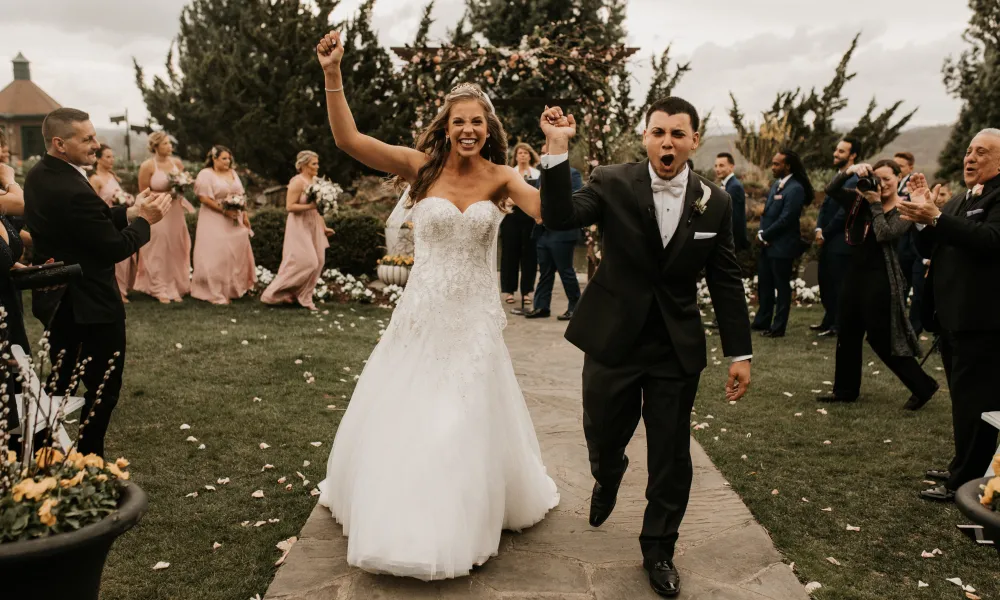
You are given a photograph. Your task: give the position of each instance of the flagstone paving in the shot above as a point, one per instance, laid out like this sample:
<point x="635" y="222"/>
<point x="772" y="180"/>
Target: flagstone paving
<point x="723" y="553"/>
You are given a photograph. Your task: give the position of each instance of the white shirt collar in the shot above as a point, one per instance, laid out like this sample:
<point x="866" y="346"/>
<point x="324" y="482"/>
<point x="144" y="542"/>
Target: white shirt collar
<point x="681" y="177"/>
<point x="784" y="180"/>
<point x="726" y="180"/>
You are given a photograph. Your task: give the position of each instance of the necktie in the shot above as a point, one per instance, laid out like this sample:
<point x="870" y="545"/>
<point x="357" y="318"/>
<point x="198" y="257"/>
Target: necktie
<point x="673" y="187"/>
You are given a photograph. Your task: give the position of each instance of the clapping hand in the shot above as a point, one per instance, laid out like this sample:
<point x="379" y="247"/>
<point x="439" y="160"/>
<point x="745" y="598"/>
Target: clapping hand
<point x="921" y="207"/>
<point x="330" y="51"/>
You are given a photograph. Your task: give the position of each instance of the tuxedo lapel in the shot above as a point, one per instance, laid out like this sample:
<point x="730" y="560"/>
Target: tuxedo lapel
<point x="679" y="239"/>
<point x="642" y="186"/>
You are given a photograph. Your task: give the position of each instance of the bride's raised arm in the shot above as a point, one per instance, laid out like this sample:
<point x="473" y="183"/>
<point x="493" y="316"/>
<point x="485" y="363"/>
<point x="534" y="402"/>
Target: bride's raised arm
<point x="522" y="194"/>
<point x="398" y="160"/>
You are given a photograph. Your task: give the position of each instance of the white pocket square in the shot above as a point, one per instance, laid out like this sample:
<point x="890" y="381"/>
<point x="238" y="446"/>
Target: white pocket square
<point x="973" y="212"/>
<point x="704" y="235"/>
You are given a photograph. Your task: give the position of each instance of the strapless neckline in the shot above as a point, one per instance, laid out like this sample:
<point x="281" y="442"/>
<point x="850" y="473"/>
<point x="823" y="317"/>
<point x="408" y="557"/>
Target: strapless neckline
<point x="460" y="211"/>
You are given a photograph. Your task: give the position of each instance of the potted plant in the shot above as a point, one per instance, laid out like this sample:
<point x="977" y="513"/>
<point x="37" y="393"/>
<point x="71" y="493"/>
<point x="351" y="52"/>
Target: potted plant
<point x="979" y="501"/>
<point x="60" y="511"/>
<point x="394" y="269"/>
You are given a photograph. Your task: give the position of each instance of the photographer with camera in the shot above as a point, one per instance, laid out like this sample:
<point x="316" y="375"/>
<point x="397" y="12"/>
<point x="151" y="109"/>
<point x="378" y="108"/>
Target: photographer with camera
<point x="871" y="298"/>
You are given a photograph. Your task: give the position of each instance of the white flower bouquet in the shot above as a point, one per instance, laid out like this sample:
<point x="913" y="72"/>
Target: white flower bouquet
<point x="234" y="202"/>
<point x="123" y="198"/>
<point x="180" y="180"/>
<point x="324" y="194"/>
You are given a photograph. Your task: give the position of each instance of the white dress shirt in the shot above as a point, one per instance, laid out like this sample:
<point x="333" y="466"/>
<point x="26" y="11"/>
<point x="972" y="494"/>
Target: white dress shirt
<point x="726" y="180"/>
<point x="669" y="203"/>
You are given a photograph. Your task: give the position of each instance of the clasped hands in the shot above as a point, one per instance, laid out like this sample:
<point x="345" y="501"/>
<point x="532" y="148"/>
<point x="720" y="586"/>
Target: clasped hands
<point x="559" y="128"/>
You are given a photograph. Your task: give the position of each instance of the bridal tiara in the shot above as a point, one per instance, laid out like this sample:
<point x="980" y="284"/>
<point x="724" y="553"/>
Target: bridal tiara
<point x="475" y="90"/>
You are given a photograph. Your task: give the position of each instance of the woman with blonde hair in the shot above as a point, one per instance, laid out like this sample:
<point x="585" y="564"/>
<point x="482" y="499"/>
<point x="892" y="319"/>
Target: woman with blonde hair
<point x="518" y="253"/>
<point x="223" y="259"/>
<point x="108" y="186"/>
<point x="436" y="453"/>
<point x="304" y="250"/>
<point x="164" y="266"/>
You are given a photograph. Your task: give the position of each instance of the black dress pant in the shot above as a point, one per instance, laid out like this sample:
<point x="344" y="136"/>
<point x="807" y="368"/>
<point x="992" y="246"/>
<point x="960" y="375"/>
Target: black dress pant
<point x="832" y="269"/>
<point x="104" y="345"/>
<point x="650" y="385"/>
<point x="517" y="253"/>
<point x="865" y="308"/>
<point x="918" y="278"/>
<point x="970" y="361"/>
<point x="774" y="276"/>
<point x="556" y="257"/>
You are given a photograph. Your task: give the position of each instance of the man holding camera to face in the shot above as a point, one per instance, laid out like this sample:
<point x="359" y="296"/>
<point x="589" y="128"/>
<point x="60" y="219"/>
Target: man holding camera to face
<point x="871" y="298"/>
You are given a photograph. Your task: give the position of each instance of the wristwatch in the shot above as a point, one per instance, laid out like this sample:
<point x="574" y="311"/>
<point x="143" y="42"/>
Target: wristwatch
<point x="934" y="221"/>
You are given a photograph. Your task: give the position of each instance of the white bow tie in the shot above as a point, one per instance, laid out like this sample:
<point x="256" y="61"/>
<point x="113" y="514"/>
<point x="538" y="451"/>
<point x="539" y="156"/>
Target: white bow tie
<point x="674" y="186"/>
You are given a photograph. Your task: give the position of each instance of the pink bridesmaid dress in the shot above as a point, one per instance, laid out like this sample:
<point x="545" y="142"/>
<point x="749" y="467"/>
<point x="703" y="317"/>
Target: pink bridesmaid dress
<point x="125" y="270"/>
<point x="302" y="258"/>
<point x="223" y="259"/>
<point x="164" y="269"/>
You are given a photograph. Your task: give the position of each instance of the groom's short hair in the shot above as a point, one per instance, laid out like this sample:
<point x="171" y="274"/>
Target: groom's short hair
<point x="673" y="105"/>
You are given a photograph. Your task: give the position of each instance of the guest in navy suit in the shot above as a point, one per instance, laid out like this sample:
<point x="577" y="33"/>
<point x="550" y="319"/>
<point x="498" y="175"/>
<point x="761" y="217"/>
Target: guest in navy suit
<point x="555" y="255"/>
<point x="779" y="233"/>
<point x="834" y="252"/>
<point x="724" y="166"/>
<point x="910" y="259"/>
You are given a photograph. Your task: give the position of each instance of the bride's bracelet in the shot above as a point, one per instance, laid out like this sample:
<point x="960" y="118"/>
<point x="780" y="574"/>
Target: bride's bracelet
<point x="340" y="89"/>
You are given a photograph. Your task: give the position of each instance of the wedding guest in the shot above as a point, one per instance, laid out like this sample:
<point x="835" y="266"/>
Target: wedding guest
<point x="725" y="165"/>
<point x="223" y="259"/>
<point x="872" y="301"/>
<point x="779" y="234"/>
<point x="108" y="187"/>
<point x="11" y="194"/>
<point x="963" y="242"/>
<point x="910" y="260"/>
<point x="518" y="255"/>
<point x="164" y="265"/>
<point x="834" y="253"/>
<point x="304" y="250"/>
<point x="555" y="255"/>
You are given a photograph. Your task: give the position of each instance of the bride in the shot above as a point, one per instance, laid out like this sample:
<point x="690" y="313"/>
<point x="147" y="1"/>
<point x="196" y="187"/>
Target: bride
<point x="436" y="453"/>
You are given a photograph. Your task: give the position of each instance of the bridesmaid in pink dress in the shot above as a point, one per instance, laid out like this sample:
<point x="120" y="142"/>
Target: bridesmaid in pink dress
<point x="164" y="268"/>
<point x="106" y="184"/>
<point x="223" y="259"/>
<point x="304" y="251"/>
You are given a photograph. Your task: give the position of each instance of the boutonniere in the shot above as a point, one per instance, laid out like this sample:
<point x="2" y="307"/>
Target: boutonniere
<point x="701" y="204"/>
<point x="977" y="190"/>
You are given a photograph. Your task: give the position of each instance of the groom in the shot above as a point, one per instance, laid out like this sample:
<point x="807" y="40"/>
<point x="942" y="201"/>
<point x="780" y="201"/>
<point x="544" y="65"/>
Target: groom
<point x="638" y="320"/>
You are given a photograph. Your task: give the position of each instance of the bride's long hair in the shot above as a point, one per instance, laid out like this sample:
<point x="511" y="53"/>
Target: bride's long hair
<point x="433" y="140"/>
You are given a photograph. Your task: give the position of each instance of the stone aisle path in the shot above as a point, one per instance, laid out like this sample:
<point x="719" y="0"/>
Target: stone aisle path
<point x="722" y="553"/>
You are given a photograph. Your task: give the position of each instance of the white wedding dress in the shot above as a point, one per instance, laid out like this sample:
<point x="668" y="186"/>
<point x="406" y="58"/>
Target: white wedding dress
<point x="436" y="453"/>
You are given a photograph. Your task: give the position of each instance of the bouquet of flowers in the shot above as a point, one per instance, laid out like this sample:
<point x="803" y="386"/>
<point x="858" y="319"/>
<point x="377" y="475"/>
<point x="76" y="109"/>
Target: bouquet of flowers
<point x="324" y="194"/>
<point x="180" y="181"/>
<point x="234" y="202"/>
<point x="123" y="198"/>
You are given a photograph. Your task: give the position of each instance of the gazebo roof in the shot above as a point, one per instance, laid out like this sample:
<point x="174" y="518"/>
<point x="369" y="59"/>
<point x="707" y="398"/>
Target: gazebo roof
<point x="22" y="98"/>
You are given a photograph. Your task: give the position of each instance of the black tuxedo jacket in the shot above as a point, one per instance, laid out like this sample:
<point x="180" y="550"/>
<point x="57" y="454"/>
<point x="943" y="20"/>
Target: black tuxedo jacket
<point x="964" y="279"/>
<point x="636" y="270"/>
<point x="69" y="222"/>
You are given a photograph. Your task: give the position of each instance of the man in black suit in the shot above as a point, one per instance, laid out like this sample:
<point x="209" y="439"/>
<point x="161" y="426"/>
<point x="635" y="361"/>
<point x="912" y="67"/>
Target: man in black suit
<point x="963" y="241"/>
<point x="638" y="321"/>
<point x="910" y="261"/>
<point x="70" y="223"/>
<point x="725" y="165"/>
<point x="555" y="255"/>
<point x="834" y="252"/>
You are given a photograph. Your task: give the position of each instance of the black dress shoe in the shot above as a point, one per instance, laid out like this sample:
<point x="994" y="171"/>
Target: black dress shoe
<point x="827" y="333"/>
<point x="943" y="475"/>
<point x="819" y="327"/>
<point x="940" y="493"/>
<point x="538" y="313"/>
<point x="773" y="334"/>
<point x="664" y="579"/>
<point x="916" y="403"/>
<point x="603" y="499"/>
<point x="759" y="328"/>
<point x="566" y="316"/>
<point x="835" y="398"/>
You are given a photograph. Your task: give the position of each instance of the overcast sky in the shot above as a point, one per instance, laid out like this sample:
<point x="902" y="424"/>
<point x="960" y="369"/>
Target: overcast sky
<point x="81" y="52"/>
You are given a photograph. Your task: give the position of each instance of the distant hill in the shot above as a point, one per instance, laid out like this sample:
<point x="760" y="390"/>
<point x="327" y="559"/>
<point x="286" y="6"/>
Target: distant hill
<point x="116" y="139"/>
<point x="925" y="143"/>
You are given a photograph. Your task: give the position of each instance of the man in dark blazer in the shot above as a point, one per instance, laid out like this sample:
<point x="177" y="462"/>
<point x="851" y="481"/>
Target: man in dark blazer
<point x="834" y="252"/>
<point x="963" y="241"/>
<point x="70" y="223"/>
<point x="725" y="166"/>
<point x="638" y="321"/>
<point x="910" y="261"/>
<point x="555" y="255"/>
<point x="779" y="234"/>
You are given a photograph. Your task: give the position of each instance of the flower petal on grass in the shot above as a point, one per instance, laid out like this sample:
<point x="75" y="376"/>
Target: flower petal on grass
<point x="266" y="467"/>
<point x="185" y="426"/>
<point x="833" y="561"/>
<point x="812" y="586"/>
<point x="305" y="463"/>
<point x="222" y="481"/>
<point x="853" y="528"/>
<point x="161" y="565"/>
<point x="191" y="438"/>
<point x="827" y="509"/>
<point x="264" y="446"/>
<point x="285" y="546"/>
<point x="257" y="494"/>
<point x="210" y="488"/>
<point x="216" y="546"/>
<point x="316" y="444"/>
<point x="789" y="394"/>
<point x="921" y="584"/>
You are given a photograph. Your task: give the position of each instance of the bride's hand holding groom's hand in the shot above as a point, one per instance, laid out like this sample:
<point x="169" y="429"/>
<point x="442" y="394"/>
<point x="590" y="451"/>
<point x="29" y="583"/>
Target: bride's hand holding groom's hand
<point x="559" y="129"/>
<point x="739" y="380"/>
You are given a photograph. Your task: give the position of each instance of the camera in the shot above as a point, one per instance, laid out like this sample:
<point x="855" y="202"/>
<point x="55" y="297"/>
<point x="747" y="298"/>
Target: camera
<point x="868" y="184"/>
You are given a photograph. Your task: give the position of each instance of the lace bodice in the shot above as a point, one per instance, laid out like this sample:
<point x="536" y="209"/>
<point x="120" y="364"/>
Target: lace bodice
<point x="454" y="270"/>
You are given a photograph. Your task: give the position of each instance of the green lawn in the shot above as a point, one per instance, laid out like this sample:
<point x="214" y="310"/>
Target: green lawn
<point x="869" y="481"/>
<point x="210" y="384"/>
<point x="211" y="381"/>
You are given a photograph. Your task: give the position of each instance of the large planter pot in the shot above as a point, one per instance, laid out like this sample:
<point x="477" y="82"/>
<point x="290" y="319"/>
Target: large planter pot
<point x="967" y="499"/>
<point x="68" y="565"/>
<point x="393" y="274"/>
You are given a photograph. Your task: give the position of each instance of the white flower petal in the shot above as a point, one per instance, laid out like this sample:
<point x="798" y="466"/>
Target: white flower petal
<point x="264" y="446"/>
<point x="185" y="426"/>
<point x="833" y="561"/>
<point x="827" y="509"/>
<point x="191" y="438"/>
<point x="921" y="584"/>
<point x="161" y="565"/>
<point x="812" y="586"/>
<point x="258" y="494"/>
<point x="216" y="546"/>
<point x="316" y="444"/>
<point x="853" y="528"/>
<point x="222" y="481"/>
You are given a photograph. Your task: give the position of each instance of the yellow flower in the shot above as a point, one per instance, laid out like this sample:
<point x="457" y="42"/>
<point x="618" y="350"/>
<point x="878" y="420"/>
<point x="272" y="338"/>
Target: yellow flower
<point x="121" y="463"/>
<point x="93" y="460"/>
<point x="45" y="512"/>
<point x="32" y="490"/>
<point x="75" y="459"/>
<point x="74" y="481"/>
<point x="992" y="487"/>
<point x="11" y="457"/>
<point x="114" y="470"/>
<point x="102" y="477"/>
<point x="46" y="457"/>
